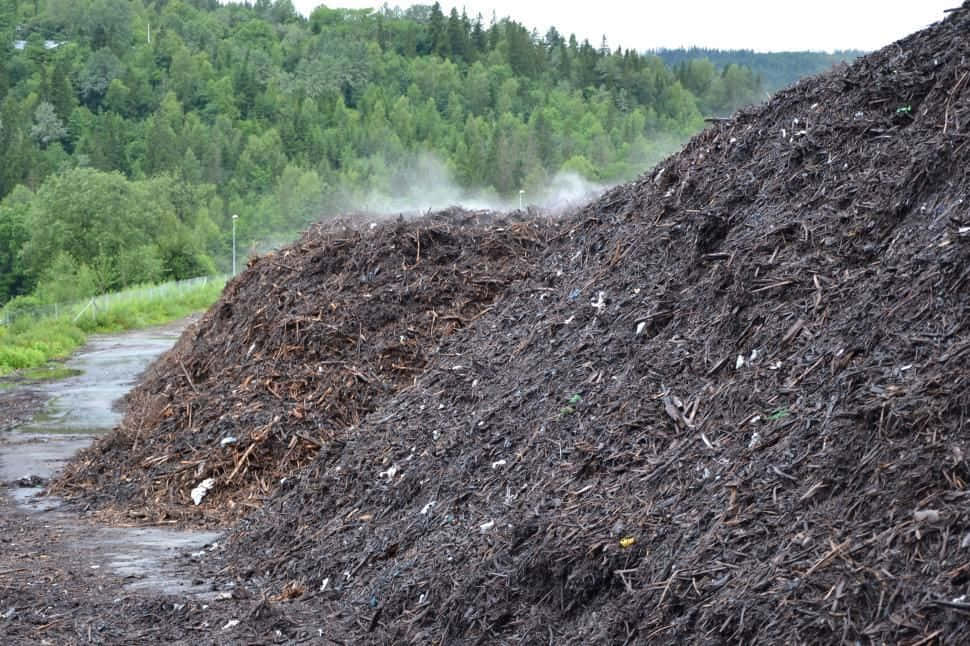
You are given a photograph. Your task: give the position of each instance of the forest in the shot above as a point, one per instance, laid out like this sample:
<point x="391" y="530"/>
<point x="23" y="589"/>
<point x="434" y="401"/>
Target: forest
<point x="131" y="131"/>
<point x="775" y="69"/>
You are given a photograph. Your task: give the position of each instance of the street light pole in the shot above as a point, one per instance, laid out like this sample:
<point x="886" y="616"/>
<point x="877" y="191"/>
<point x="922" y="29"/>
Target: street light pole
<point x="234" y="218"/>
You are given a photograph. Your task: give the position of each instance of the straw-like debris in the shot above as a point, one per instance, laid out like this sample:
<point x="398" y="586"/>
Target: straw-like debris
<point x="301" y="346"/>
<point x="729" y="406"/>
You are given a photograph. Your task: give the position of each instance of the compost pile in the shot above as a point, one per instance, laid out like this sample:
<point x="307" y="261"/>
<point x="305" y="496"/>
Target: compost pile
<point x="730" y="404"/>
<point x="300" y="347"/>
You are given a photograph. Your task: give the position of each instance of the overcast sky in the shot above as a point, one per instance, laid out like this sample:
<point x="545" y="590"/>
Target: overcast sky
<point x="725" y="24"/>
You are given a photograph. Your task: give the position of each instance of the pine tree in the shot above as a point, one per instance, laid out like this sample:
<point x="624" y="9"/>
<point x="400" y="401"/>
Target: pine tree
<point x="457" y="37"/>
<point x="61" y="93"/>
<point x="437" y="31"/>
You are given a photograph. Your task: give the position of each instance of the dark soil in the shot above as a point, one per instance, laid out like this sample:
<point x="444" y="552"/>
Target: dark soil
<point x="300" y="348"/>
<point x="19" y="402"/>
<point x="725" y="403"/>
<point x="729" y="405"/>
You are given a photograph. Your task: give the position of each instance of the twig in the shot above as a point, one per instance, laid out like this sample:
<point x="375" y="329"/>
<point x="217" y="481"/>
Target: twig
<point x="946" y="111"/>
<point x="836" y="549"/>
<point x="245" y="455"/>
<point x="186" y="372"/>
<point x="928" y="638"/>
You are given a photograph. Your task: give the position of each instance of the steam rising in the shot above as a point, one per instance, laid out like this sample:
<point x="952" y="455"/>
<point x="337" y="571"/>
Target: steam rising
<point x="423" y="184"/>
<point x="427" y="184"/>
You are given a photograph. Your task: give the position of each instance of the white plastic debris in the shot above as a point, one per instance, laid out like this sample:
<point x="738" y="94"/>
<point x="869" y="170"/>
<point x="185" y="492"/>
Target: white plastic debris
<point x="201" y="490"/>
<point x="232" y="623"/>
<point x="226" y="441"/>
<point x="484" y="527"/>
<point x="755" y="440"/>
<point x="707" y="442"/>
<point x="323" y="586"/>
<point x="390" y="473"/>
<point x="499" y="463"/>
<point x="427" y="508"/>
<point x="641" y="326"/>
<point x="739" y="363"/>
<point x="600" y="303"/>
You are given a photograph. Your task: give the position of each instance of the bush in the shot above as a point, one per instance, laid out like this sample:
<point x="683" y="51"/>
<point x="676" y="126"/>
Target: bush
<point x="15" y="358"/>
<point x="31" y="342"/>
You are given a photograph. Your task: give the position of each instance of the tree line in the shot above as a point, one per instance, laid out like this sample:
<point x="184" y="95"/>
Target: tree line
<point x="775" y="69"/>
<point x="132" y="130"/>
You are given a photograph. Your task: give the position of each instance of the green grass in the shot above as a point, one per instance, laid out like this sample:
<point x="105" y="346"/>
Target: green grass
<point x="29" y="343"/>
<point x="50" y="371"/>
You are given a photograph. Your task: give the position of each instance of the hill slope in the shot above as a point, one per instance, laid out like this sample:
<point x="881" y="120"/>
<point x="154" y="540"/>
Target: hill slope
<point x="249" y="109"/>
<point x="777" y="70"/>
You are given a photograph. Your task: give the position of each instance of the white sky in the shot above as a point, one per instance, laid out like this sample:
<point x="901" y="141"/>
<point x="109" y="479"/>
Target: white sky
<point x="724" y="24"/>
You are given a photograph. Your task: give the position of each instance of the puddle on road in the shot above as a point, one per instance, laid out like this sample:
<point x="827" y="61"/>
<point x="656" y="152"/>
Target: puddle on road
<point x="107" y="367"/>
<point x="80" y="408"/>
<point x="138" y="555"/>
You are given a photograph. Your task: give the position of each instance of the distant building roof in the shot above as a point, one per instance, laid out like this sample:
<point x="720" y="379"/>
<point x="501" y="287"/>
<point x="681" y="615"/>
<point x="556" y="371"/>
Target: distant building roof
<point x="48" y="44"/>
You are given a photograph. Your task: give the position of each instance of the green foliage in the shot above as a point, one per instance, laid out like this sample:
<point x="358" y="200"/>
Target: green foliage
<point x="31" y="342"/>
<point x="14" y="233"/>
<point x="65" y="280"/>
<point x="139" y="150"/>
<point x="47" y="127"/>
<point x="775" y="70"/>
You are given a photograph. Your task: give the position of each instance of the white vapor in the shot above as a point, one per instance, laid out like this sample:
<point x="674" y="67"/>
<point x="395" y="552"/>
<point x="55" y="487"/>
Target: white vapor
<point x="425" y="184"/>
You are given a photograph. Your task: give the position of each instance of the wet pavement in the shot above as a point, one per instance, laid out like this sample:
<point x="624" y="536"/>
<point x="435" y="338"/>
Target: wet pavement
<point x="80" y="408"/>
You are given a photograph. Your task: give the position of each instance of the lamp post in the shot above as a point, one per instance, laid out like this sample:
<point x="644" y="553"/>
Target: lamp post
<point x="234" y="218"/>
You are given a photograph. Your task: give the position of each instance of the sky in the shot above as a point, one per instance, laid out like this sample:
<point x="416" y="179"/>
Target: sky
<point x="762" y="25"/>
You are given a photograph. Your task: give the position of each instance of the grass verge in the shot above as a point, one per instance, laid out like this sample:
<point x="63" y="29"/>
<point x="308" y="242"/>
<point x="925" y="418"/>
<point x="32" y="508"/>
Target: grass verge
<point x="28" y="343"/>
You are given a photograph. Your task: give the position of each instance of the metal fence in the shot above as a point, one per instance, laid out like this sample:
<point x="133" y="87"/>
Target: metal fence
<point x="104" y="302"/>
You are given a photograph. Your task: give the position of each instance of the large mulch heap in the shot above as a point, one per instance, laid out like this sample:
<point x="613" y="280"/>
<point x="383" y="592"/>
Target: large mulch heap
<point x="299" y="348"/>
<point x="730" y="404"/>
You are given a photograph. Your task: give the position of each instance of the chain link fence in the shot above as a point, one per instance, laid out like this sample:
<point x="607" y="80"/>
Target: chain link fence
<point x="17" y="311"/>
